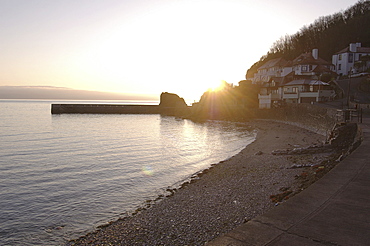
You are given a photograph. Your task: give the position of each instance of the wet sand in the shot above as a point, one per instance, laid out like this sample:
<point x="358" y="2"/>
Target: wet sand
<point x="222" y="197"/>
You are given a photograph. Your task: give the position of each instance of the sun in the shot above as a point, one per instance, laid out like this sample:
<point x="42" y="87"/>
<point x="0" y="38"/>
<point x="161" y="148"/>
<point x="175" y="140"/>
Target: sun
<point x="218" y="86"/>
<point x="194" y="90"/>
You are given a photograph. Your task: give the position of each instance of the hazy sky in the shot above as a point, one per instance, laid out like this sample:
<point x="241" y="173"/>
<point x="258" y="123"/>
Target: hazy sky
<point x="144" y="46"/>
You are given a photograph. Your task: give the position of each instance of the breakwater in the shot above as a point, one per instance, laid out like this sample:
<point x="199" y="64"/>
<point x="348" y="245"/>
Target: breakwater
<point x="105" y="109"/>
<point x="117" y="109"/>
<point x="170" y="104"/>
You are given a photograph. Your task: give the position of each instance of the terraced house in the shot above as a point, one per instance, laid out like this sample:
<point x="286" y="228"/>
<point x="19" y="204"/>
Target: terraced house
<point x="297" y="81"/>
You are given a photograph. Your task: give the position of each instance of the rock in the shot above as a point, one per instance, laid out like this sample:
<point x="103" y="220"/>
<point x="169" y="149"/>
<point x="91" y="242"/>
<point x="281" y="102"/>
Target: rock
<point x="280" y="197"/>
<point x="172" y="104"/>
<point x="300" y="166"/>
<point x="171" y="100"/>
<point x="284" y="188"/>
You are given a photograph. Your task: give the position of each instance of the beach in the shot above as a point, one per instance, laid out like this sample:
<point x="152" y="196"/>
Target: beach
<point x="222" y="197"/>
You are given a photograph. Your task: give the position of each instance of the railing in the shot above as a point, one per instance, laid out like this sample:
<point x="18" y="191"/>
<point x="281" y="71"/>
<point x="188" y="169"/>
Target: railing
<point x="347" y="115"/>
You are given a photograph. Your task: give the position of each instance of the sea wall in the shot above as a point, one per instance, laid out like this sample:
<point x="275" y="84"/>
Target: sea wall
<point x="104" y="109"/>
<point x="315" y="118"/>
<point x="117" y="109"/>
<point x="170" y="104"/>
<point x="312" y="117"/>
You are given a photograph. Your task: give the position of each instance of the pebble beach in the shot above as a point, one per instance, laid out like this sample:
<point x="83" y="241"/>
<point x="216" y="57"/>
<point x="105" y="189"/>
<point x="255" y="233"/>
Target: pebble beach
<point x="220" y="198"/>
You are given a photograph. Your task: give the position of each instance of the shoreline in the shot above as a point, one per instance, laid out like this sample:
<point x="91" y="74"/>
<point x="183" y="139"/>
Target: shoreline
<point x="218" y="199"/>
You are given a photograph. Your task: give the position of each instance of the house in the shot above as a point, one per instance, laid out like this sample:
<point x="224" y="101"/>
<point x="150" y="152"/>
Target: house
<point x="351" y="58"/>
<point x="275" y="68"/>
<point x="296" y="91"/>
<point x="270" y="93"/>
<point x="307" y="91"/>
<point x="310" y="65"/>
<point x="297" y="81"/>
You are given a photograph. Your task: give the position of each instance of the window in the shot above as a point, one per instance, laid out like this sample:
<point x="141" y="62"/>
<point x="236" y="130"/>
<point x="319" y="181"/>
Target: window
<point x="339" y="66"/>
<point x="303" y="68"/>
<point x="350" y="58"/>
<point x="295" y="89"/>
<point x="340" y="57"/>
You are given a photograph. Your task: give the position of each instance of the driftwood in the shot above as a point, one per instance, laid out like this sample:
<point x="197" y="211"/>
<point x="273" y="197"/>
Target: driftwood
<point x="314" y="149"/>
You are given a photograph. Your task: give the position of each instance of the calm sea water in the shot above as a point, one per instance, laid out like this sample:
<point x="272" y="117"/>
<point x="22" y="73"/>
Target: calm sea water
<point x="63" y="175"/>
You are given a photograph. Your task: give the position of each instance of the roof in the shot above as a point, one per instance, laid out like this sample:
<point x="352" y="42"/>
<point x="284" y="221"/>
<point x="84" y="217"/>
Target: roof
<point x="323" y="69"/>
<point x="277" y="62"/>
<point x="307" y="58"/>
<point x="306" y="82"/>
<point x="358" y="50"/>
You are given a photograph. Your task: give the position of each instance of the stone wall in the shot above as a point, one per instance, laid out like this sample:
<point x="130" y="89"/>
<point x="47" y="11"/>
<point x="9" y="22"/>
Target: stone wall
<point x="317" y="119"/>
<point x="314" y="118"/>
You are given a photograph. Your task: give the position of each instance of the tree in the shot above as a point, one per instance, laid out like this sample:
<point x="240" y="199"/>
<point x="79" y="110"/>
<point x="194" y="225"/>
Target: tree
<point x="329" y="34"/>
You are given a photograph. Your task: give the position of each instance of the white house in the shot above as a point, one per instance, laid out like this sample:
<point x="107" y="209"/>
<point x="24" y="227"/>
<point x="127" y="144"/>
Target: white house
<point x="307" y="91"/>
<point x="346" y="59"/>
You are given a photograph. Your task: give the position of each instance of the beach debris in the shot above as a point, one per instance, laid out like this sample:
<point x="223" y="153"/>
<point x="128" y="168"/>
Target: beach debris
<point x="259" y="153"/>
<point x="284" y="188"/>
<point x="340" y="158"/>
<point x="281" y="196"/>
<point x="303" y="175"/>
<point x="300" y="166"/>
<point x="313" y="149"/>
<point x="319" y="169"/>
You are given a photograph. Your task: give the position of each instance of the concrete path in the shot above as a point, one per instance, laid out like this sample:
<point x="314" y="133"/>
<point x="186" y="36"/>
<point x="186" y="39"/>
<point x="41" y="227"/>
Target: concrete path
<point x="335" y="210"/>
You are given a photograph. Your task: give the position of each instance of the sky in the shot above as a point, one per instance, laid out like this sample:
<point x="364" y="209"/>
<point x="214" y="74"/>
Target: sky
<point x="145" y="46"/>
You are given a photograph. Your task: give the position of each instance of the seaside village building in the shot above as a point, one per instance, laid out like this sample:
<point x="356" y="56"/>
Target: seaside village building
<point x="353" y="58"/>
<point x="296" y="81"/>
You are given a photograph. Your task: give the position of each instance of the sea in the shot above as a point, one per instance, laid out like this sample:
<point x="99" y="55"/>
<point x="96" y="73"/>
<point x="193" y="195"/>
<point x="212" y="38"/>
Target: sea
<point x="61" y="176"/>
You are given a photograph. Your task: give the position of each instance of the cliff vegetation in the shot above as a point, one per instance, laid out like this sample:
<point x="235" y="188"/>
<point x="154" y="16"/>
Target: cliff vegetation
<point x="329" y="34"/>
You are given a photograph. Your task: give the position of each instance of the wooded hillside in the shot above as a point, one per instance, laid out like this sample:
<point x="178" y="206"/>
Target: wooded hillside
<point x="329" y="34"/>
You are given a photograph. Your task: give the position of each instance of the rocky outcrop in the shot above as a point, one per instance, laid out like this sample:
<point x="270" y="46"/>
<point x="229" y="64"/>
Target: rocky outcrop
<point x="172" y="104"/>
<point x="171" y="100"/>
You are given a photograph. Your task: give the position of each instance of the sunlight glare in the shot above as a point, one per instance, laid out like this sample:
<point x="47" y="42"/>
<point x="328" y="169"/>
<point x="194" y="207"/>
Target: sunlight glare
<point x="217" y="86"/>
<point x="186" y="56"/>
